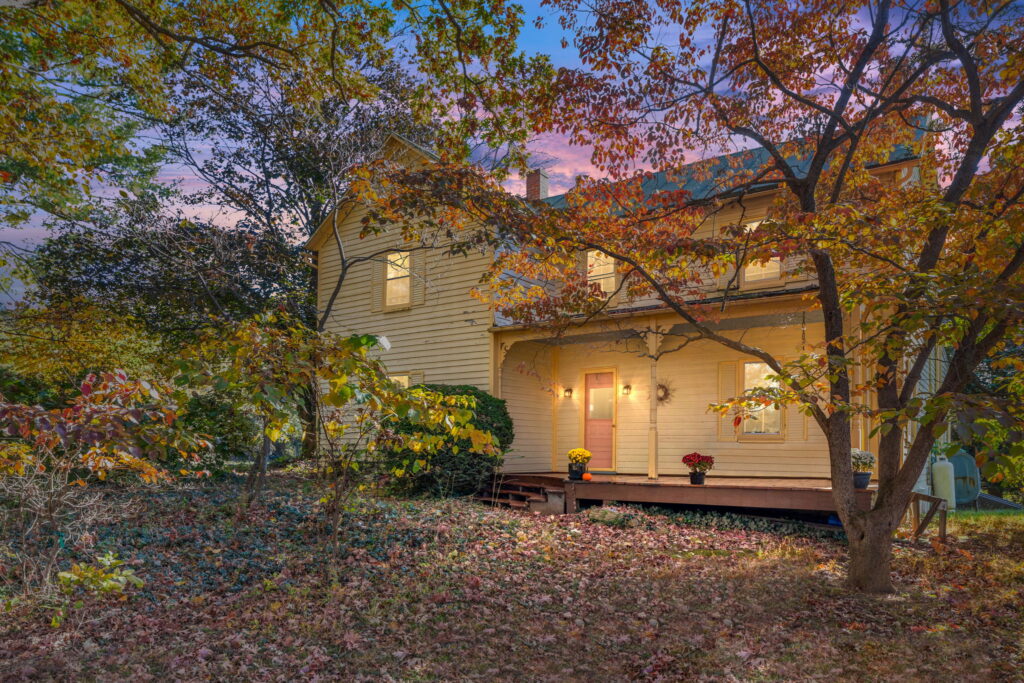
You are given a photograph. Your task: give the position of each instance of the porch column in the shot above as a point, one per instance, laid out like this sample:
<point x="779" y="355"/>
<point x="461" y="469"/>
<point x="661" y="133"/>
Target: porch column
<point x="555" y="390"/>
<point x="653" y="339"/>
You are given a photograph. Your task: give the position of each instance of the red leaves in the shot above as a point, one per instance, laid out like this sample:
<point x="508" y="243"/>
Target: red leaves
<point x="115" y="424"/>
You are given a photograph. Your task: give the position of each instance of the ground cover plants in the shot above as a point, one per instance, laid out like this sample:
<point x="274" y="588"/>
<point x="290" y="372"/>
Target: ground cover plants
<point x="449" y="589"/>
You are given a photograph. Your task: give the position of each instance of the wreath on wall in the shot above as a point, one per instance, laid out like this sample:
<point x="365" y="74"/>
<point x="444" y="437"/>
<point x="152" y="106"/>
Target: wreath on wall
<point x="665" y="392"/>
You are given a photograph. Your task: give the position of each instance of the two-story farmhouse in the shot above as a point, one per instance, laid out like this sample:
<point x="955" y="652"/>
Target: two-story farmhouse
<point x="612" y="386"/>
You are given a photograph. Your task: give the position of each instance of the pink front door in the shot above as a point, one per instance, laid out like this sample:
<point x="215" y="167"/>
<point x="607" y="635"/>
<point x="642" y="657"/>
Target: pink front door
<point x="599" y="419"/>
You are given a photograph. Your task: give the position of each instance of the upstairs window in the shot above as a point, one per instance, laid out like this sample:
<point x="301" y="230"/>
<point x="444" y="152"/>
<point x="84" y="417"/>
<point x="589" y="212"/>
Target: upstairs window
<point x="601" y="271"/>
<point x="763" y="420"/>
<point x="761" y="271"/>
<point x="397" y="280"/>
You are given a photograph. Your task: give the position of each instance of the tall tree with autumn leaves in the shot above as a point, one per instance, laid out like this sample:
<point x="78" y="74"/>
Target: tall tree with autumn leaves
<point x="809" y="97"/>
<point x="82" y="79"/>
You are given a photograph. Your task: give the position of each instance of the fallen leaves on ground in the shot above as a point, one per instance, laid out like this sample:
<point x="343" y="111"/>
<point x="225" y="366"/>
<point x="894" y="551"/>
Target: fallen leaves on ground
<point x="455" y="590"/>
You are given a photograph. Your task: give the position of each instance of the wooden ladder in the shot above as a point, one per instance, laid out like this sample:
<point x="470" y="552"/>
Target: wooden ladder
<point x="936" y="505"/>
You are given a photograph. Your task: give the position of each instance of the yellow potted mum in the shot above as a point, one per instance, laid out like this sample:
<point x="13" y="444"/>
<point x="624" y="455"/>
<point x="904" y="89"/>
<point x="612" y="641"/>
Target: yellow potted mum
<point x="578" y="459"/>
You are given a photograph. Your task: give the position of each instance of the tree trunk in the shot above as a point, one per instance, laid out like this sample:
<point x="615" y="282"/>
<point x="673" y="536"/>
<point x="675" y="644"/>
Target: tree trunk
<point x="870" y="570"/>
<point x="307" y="413"/>
<point x="257" y="474"/>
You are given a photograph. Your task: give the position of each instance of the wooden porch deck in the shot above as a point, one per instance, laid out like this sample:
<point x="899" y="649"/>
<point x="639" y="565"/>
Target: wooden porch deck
<point x="740" y="492"/>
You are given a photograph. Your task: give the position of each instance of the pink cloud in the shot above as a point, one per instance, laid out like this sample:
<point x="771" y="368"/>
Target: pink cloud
<point x="563" y="162"/>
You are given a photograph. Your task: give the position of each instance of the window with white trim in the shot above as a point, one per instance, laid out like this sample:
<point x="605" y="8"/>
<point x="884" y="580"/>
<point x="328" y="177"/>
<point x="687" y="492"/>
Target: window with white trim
<point x="760" y="420"/>
<point x="401" y="380"/>
<point x="601" y="270"/>
<point x="761" y="271"/>
<point x="397" y="280"/>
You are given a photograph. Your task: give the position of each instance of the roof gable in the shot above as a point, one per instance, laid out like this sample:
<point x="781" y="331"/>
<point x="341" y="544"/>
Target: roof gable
<point x="395" y="147"/>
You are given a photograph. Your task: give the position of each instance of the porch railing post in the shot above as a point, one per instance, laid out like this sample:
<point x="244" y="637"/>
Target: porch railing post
<point x="653" y="339"/>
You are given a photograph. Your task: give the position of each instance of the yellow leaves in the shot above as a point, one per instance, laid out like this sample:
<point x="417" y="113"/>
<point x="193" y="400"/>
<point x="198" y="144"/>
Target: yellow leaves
<point x="58" y="343"/>
<point x="334" y="429"/>
<point x="16" y="459"/>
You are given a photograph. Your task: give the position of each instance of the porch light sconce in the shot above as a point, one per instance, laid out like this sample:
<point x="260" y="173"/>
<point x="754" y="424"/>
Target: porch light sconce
<point x="567" y="393"/>
<point x="626" y="389"/>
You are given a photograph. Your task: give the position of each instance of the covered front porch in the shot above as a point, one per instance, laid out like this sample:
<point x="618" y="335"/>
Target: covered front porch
<point x="636" y="393"/>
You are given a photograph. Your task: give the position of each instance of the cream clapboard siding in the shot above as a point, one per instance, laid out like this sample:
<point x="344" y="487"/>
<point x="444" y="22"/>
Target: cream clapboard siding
<point x="684" y="423"/>
<point x="445" y="338"/>
<point x="526" y="385"/>
<point x="932" y="376"/>
<point x="754" y="208"/>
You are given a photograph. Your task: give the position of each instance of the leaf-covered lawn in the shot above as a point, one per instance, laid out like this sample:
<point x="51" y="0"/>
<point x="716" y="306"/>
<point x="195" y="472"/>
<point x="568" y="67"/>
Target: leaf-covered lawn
<point x="455" y="590"/>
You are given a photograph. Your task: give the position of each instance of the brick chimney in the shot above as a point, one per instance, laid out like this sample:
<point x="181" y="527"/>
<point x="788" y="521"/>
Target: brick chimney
<point x="537" y="184"/>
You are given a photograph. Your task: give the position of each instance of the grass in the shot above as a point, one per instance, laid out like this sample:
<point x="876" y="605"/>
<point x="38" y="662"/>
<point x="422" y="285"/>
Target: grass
<point x="443" y="590"/>
<point x="984" y="514"/>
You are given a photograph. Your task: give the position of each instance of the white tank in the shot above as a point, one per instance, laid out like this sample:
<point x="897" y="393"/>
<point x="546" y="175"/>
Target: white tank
<point x="944" y="481"/>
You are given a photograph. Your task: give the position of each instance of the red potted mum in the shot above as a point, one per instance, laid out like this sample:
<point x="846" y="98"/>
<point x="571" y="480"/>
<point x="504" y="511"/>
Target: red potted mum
<point x="698" y="464"/>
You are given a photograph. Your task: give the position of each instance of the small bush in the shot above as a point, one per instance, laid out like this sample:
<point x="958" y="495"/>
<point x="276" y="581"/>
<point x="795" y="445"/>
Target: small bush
<point x="454" y="471"/>
<point x="622" y="518"/>
<point x="232" y="432"/>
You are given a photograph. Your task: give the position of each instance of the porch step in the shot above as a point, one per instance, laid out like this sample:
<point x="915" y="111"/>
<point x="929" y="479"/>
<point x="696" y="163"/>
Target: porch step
<point x="524" y="493"/>
<point x="533" y="480"/>
<point x="508" y="502"/>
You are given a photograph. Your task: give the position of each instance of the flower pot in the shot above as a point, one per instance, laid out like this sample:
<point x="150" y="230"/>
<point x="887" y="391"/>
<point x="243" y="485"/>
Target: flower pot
<point x="576" y="470"/>
<point x="697" y="477"/>
<point x="861" y="480"/>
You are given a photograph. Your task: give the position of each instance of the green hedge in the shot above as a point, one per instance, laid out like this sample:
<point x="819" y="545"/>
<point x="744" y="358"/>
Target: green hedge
<point x="451" y="473"/>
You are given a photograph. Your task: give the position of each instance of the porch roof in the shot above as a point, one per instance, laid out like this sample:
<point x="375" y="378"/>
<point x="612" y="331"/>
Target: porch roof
<point x="619" y="313"/>
<point x="679" y="329"/>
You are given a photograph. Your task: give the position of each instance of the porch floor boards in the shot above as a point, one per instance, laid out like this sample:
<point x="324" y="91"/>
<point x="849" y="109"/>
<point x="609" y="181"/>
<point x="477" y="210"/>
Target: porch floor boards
<point x="807" y="493"/>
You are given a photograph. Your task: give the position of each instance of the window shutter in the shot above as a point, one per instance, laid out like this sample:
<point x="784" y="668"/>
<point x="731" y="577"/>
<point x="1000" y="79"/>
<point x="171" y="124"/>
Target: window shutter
<point x="418" y="271"/>
<point x="415" y="377"/>
<point x="377" y="274"/>
<point x="726" y="390"/>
